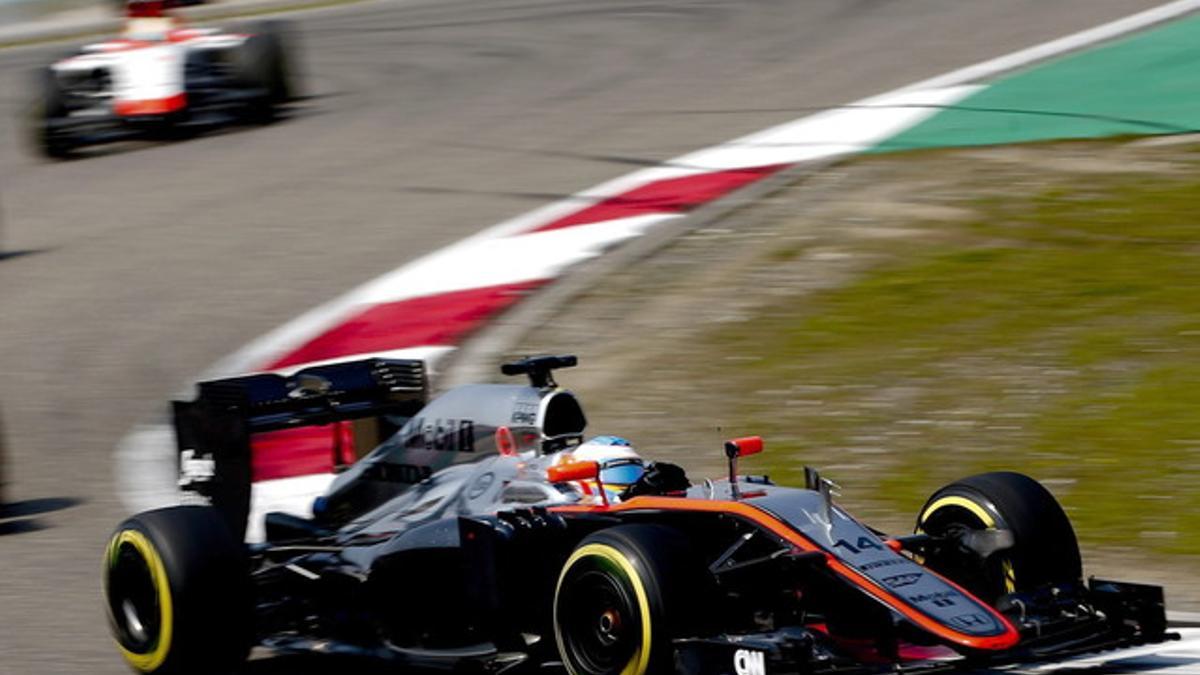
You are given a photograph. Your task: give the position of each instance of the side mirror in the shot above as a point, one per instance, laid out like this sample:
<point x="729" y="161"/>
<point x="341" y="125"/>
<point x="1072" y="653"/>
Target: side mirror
<point x="742" y="447"/>
<point x="572" y="471"/>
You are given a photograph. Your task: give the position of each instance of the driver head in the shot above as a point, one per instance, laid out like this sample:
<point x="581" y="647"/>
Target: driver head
<point x="620" y="465"/>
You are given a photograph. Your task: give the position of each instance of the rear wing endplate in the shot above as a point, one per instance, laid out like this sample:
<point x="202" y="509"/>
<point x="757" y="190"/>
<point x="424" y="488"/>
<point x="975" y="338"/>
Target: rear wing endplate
<point x="215" y="429"/>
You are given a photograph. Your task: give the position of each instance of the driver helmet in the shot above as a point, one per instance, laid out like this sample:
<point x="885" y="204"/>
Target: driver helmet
<point x="149" y="20"/>
<point x="620" y="465"/>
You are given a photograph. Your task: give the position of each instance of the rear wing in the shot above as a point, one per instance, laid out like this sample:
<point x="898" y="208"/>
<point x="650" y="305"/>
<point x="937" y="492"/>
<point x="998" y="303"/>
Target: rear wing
<point x="214" y="431"/>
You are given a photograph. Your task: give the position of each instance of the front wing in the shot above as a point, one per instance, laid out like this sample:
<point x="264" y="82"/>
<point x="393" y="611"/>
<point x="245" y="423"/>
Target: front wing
<point x="1107" y="615"/>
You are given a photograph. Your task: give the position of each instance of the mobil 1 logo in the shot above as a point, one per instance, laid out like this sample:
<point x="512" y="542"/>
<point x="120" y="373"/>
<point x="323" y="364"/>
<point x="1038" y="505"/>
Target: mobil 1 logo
<point x="749" y="662"/>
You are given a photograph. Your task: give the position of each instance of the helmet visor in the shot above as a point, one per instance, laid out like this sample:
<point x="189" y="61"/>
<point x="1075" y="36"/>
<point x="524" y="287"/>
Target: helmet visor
<point x="621" y="471"/>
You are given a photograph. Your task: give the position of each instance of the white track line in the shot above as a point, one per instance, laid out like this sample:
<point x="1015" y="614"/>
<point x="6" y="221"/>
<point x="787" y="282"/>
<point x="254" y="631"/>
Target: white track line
<point x="1171" y="658"/>
<point x="1063" y="45"/>
<point x="504" y="260"/>
<point x="431" y="355"/>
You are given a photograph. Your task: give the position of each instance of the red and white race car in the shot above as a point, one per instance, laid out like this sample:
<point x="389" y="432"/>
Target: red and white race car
<point x="161" y="77"/>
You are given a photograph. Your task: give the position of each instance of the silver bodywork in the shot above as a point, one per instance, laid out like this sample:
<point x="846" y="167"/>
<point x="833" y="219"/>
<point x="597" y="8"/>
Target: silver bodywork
<point x="446" y="461"/>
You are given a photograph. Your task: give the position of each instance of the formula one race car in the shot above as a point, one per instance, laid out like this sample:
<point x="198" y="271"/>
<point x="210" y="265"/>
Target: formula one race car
<point x="160" y="79"/>
<point x="465" y="541"/>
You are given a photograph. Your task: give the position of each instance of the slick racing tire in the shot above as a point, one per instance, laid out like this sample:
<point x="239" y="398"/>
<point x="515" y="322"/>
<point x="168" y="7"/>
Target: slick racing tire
<point x="177" y="590"/>
<point x="49" y="107"/>
<point x="263" y="64"/>
<point x="621" y="597"/>
<point x="1044" y="550"/>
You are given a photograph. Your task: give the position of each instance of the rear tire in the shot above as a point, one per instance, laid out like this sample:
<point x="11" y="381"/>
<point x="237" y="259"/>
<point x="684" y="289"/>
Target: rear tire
<point x="622" y="596"/>
<point x="1044" y="551"/>
<point x="177" y="590"/>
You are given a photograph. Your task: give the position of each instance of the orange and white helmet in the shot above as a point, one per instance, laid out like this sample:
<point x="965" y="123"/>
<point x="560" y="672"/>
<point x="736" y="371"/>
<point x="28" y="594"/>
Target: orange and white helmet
<point x="620" y="465"/>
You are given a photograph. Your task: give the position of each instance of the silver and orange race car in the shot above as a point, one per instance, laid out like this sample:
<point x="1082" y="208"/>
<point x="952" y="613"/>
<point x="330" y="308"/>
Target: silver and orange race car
<point x="161" y="78"/>
<point x="462" y="542"/>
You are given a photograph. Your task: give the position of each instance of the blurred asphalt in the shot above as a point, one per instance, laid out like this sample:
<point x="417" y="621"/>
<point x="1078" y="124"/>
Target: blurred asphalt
<point x="125" y="273"/>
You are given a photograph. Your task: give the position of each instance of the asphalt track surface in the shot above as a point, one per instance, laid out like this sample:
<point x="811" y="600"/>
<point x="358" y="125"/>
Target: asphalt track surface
<point x="127" y="272"/>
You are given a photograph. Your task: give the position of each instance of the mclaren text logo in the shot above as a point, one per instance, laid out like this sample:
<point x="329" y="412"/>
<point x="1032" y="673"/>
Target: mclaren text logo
<point x="749" y="662"/>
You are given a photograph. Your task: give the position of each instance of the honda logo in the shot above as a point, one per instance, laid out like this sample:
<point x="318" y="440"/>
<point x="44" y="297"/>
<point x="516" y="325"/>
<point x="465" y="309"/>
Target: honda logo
<point x="972" y="621"/>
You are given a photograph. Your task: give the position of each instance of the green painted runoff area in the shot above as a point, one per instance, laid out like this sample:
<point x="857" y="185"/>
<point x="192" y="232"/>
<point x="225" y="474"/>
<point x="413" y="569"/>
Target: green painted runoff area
<point x="1145" y="84"/>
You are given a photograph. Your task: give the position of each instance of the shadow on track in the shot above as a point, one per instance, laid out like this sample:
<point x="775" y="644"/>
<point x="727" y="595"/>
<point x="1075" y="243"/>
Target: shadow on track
<point x="148" y="140"/>
<point x="8" y="255"/>
<point x="318" y="665"/>
<point x="20" y="517"/>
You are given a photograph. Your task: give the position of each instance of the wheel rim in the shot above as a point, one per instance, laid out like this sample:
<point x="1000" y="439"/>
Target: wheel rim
<point x="133" y="600"/>
<point x="598" y="620"/>
<point x="139" y="600"/>
<point x="986" y="579"/>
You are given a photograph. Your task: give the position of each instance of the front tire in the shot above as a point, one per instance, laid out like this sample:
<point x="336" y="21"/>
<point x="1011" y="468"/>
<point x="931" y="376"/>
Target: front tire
<point x="622" y="596"/>
<point x="49" y="111"/>
<point x="263" y="65"/>
<point x="1044" y="551"/>
<point x="177" y="590"/>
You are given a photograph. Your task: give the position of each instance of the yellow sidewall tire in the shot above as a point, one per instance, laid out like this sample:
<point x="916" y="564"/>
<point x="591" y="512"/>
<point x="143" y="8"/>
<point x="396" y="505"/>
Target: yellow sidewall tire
<point x="657" y="580"/>
<point x="1044" y="551"/>
<point x="152" y="660"/>
<point x="178" y="592"/>
<point x="989" y="522"/>
<point x="640" y="660"/>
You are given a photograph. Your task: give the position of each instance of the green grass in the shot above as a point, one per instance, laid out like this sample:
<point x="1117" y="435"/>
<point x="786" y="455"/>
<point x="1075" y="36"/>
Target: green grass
<point x="1057" y="334"/>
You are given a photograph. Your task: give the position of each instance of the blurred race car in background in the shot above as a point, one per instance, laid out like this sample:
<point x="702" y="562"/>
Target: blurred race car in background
<point x="464" y="542"/>
<point x="122" y="6"/>
<point x="161" y="79"/>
